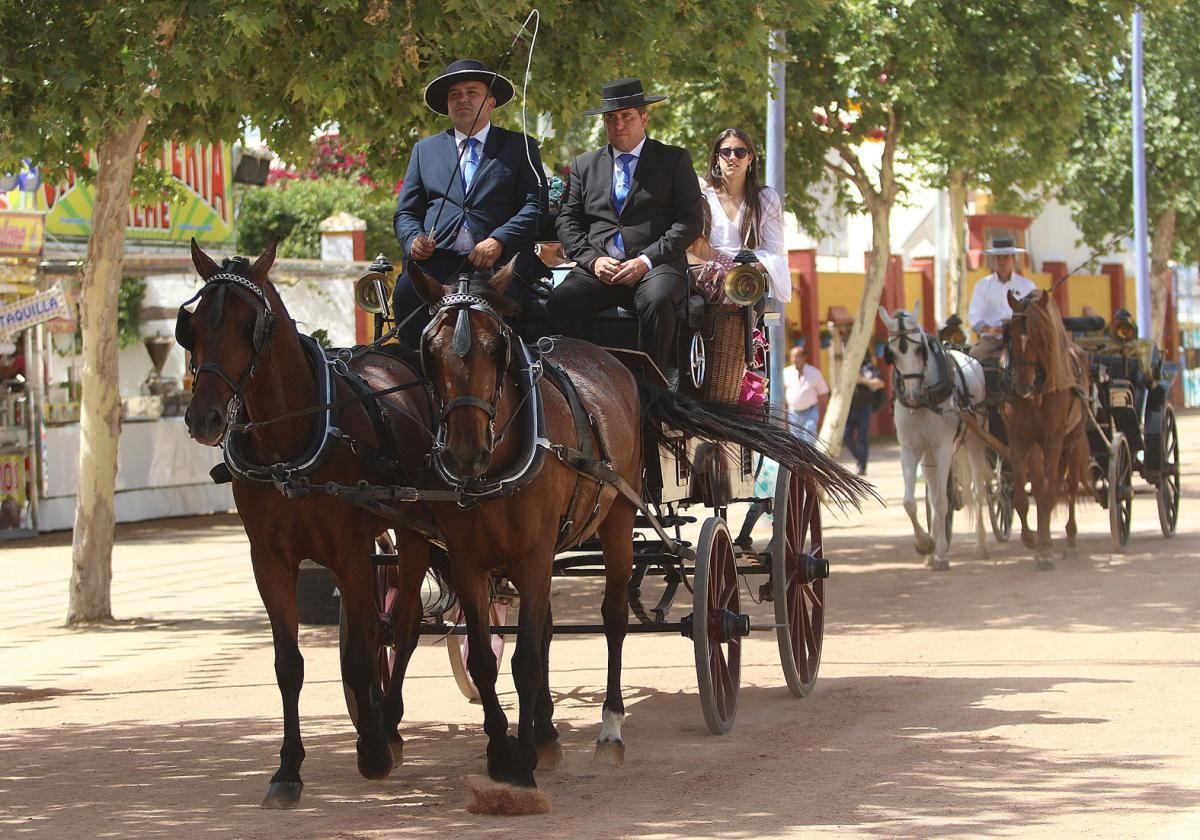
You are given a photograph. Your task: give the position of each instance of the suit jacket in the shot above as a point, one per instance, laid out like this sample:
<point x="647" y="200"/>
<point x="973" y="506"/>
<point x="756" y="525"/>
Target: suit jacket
<point x="662" y="215"/>
<point x="505" y="200"/>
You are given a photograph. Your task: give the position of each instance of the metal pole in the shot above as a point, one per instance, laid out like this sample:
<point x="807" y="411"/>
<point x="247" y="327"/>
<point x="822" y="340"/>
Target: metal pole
<point x="1142" y="282"/>
<point x="777" y="70"/>
<point x="939" y="263"/>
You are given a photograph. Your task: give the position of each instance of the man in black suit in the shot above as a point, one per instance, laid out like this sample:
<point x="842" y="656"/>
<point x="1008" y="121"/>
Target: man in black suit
<point x="632" y="209"/>
<point x="472" y="195"/>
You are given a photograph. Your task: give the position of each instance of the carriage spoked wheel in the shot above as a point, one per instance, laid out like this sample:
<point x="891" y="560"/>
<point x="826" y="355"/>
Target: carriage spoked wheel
<point x="1000" y="499"/>
<point x="696" y="359"/>
<point x="387" y="590"/>
<point x="952" y="504"/>
<point x="458" y="648"/>
<point x="1167" y="490"/>
<point x="1120" y="490"/>
<point x="798" y="572"/>
<point x="717" y="626"/>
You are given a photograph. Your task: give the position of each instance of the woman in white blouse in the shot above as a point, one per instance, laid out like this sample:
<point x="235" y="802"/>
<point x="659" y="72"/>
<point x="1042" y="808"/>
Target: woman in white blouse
<point x="742" y="213"/>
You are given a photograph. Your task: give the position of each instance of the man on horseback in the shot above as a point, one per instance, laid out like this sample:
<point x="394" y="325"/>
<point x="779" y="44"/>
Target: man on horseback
<point x="632" y="209"/>
<point x="472" y="195"/>
<point x="989" y="310"/>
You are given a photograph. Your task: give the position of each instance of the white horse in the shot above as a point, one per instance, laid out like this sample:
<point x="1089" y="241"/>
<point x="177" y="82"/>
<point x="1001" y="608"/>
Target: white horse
<point x="927" y="399"/>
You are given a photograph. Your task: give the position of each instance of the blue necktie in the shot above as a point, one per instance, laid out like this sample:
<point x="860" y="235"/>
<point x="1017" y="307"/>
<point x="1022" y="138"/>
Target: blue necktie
<point x="469" y="165"/>
<point x="620" y="193"/>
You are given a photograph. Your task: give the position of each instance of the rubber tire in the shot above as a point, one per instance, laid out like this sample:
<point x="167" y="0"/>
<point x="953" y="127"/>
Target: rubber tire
<point x="715" y="589"/>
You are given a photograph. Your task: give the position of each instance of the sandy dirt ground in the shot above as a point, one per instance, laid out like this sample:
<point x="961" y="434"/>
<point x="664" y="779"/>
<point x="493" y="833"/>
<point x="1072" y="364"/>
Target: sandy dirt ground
<point x="988" y="701"/>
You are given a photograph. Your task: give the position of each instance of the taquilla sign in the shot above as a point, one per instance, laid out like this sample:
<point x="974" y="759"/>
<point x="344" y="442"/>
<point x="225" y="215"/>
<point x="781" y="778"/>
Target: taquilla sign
<point x="36" y="309"/>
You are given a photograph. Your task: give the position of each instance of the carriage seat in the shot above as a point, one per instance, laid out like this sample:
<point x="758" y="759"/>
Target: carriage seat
<point x="1083" y="324"/>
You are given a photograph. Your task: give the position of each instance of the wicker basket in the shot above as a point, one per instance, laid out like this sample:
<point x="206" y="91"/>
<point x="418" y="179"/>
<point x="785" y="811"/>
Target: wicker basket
<point x="724" y="336"/>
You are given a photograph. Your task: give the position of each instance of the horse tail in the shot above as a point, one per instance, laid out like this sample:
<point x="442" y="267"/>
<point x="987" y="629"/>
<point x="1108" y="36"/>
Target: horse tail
<point x="739" y="425"/>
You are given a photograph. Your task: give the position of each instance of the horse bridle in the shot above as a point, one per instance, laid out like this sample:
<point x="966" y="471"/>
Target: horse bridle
<point x="463" y="302"/>
<point x="902" y="345"/>
<point x="264" y="323"/>
<point x="1039" y="371"/>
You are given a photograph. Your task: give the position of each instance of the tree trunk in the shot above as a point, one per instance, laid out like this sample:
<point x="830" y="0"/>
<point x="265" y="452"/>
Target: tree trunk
<point x="958" y="237"/>
<point x="846" y="375"/>
<point x="1160" y="272"/>
<point x="100" y="410"/>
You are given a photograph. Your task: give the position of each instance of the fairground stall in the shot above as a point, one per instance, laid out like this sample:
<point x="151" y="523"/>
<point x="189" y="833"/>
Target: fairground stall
<point x="161" y="472"/>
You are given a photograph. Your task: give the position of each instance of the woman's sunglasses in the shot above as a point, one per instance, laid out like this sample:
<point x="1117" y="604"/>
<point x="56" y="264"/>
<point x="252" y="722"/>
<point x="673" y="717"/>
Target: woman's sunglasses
<point x="739" y="152"/>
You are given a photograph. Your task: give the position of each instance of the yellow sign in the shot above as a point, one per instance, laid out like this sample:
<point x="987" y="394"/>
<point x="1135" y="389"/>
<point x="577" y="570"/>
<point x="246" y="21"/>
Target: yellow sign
<point x="22" y="234"/>
<point x="206" y="213"/>
<point x="12" y="478"/>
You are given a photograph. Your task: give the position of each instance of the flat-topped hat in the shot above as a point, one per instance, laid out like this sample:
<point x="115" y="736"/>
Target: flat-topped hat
<point x="466" y="70"/>
<point x="622" y="94"/>
<point x="1003" y="247"/>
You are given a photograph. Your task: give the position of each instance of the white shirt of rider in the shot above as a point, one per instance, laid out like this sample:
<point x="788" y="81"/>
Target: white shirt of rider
<point x="989" y="302"/>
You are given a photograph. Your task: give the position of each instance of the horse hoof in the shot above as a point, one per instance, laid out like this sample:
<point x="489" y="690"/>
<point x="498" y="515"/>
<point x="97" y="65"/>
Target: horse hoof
<point x="1045" y="564"/>
<point x="937" y="564"/>
<point x="611" y="753"/>
<point x="549" y="755"/>
<point x="283" y="795"/>
<point x="1029" y="539"/>
<point x="501" y="799"/>
<point x="501" y="757"/>
<point x="925" y="546"/>
<point x="377" y="764"/>
<point x="397" y="747"/>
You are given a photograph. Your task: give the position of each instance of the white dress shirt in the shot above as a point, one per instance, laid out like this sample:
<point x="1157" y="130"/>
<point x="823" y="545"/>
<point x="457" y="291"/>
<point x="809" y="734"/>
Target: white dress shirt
<point x="989" y="302"/>
<point x="802" y="390"/>
<point x="610" y="246"/>
<point x="465" y="241"/>
<point x="726" y="237"/>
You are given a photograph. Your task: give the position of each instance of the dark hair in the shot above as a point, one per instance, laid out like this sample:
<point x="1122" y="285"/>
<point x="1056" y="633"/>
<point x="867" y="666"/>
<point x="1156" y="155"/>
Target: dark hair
<point x="752" y="220"/>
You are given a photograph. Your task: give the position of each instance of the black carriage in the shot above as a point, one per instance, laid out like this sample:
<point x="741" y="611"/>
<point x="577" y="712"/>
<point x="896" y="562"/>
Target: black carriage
<point x="1132" y="426"/>
<point x="684" y="474"/>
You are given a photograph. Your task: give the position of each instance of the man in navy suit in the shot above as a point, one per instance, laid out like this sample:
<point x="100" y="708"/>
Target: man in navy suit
<point x="632" y="209"/>
<point x="472" y="195"/>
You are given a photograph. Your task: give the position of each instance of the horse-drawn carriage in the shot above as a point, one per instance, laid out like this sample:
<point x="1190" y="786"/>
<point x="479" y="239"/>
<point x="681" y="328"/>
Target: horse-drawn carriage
<point x="521" y="460"/>
<point x="683" y="473"/>
<point x="1132" y="424"/>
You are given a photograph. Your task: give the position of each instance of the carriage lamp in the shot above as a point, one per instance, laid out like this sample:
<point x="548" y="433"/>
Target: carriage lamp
<point x="1123" y="327"/>
<point x="952" y="332"/>
<point x="840" y="321"/>
<point x="373" y="291"/>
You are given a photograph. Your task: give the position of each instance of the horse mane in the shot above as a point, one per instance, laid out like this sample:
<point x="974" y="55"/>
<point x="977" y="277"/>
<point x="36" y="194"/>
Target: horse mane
<point x="1048" y="338"/>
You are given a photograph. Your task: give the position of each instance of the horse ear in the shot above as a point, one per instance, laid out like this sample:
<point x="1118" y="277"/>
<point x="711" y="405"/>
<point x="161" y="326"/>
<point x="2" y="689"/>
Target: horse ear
<point x="264" y="262"/>
<point x="1043" y="299"/>
<point x="1014" y="302"/>
<point x="429" y="289"/>
<point x="886" y="318"/>
<point x="203" y="262"/>
<point x="503" y="278"/>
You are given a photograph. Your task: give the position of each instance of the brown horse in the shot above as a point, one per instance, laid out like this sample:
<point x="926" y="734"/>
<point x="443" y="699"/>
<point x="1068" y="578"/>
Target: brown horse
<point x="1046" y="416"/>
<point x="475" y="365"/>
<point x="256" y="384"/>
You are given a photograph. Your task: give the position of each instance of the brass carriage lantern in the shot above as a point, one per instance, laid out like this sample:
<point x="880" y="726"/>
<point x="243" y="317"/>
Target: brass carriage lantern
<point x="1123" y="327"/>
<point x="952" y="332"/>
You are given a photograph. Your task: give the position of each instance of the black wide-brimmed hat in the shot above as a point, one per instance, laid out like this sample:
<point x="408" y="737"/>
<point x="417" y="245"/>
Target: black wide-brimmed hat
<point x="622" y="94"/>
<point x="1003" y="247"/>
<point x="466" y="70"/>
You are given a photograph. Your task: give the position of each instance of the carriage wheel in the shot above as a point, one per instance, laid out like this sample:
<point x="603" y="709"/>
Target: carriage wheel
<point x="951" y="490"/>
<point x="798" y="572"/>
<point x="1120" y="491"/>
<point x="1168" y="475"/>
<point x="1000" y="499"/>
<point x="458" y="648"/>
<point x="696" y="359"/>
<point x="387" y="590"/>
<point x="716" y="636"/>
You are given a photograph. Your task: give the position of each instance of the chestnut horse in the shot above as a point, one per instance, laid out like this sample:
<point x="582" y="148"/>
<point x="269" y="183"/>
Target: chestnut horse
<point x="256" y="386"/>
<point x="587" y="484"/>
<point x="1046" y="417"/>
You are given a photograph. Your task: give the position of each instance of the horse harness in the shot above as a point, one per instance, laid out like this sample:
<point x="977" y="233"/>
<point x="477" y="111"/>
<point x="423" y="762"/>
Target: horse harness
<point x="933" y="354"/>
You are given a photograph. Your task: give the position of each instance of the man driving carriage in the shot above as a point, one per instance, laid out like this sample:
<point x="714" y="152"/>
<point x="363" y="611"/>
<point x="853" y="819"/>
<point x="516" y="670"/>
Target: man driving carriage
<point x="631" y="210"/>
<point x="472" y="195"/>
<point x="989" y="311"/>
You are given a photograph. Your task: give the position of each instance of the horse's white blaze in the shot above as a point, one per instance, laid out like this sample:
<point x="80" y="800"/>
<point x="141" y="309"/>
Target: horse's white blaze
<point x="610" y="727"/>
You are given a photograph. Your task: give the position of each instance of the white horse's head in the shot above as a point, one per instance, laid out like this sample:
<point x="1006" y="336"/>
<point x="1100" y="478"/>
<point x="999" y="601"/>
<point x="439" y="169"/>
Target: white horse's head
<point x="907" y="352"/>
